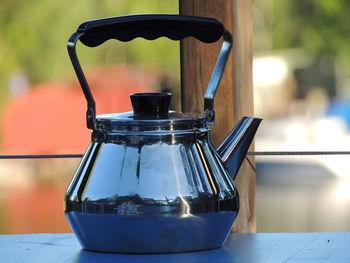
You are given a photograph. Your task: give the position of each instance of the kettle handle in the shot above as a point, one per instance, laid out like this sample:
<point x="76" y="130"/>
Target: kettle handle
<point x="125" y="28"/>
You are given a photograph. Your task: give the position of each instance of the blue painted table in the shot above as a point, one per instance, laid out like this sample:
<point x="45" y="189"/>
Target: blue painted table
<point x="250" y="248"/>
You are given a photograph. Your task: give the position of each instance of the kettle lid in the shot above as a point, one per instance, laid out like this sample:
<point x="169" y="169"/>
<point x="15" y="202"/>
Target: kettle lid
<point x="150" y="112"/>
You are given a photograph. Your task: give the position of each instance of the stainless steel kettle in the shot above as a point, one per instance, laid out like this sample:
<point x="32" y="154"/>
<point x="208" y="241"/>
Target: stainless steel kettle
<point x="151" y="181"/>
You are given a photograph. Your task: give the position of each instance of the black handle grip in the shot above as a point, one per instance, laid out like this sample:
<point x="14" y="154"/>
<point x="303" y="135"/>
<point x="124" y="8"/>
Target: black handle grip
<point x="126" y="28"/>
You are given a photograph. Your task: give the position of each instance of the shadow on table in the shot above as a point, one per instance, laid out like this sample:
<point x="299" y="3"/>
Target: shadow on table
<point x="222" y="255"/>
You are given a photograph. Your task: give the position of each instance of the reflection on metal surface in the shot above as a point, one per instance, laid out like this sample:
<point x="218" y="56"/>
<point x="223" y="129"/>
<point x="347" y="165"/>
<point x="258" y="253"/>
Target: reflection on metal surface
<point x="165" y="178"/>
<point x="156" y="196"/>
<point x="208" y="173"/>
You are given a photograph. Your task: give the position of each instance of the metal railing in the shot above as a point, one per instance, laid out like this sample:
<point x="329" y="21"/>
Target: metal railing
<point x="258" y="153"/>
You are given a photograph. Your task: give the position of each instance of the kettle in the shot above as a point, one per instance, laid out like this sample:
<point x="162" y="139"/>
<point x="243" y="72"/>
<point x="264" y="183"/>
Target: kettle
<point x="150" y="180"/>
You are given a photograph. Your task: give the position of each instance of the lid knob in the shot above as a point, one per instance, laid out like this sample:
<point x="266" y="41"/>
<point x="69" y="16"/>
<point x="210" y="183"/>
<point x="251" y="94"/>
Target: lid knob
<point x="151" y="105"/>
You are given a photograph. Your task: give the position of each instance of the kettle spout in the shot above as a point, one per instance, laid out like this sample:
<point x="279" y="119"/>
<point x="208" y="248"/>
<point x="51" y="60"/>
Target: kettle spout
<point x="235" y="146"/>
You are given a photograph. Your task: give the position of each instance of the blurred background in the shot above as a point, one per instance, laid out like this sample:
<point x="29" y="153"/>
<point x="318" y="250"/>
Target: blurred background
<point x="301" y="78"/>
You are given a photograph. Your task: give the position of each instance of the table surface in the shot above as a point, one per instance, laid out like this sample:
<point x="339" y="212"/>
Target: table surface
<point x="261" y="247"/>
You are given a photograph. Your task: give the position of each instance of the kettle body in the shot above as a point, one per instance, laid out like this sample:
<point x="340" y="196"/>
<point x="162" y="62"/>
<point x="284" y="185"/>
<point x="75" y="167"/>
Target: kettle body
<point x="147" y="195"/>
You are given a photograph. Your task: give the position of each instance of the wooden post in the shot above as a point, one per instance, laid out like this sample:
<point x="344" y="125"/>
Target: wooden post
<point x="234" y="98"/>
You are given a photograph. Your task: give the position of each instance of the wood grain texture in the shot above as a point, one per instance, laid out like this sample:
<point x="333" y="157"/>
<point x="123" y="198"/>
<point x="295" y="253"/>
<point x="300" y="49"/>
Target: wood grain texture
<point x="234" y="98"/>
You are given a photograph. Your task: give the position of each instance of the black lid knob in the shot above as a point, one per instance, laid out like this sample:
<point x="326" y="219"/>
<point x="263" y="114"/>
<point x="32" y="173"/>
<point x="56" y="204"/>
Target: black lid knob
<point x="151" y="105"/>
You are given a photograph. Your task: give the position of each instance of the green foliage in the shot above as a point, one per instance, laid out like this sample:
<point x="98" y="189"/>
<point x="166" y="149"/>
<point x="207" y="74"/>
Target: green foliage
<point x="33" y="37"/>
<point x="320" y="26"/>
